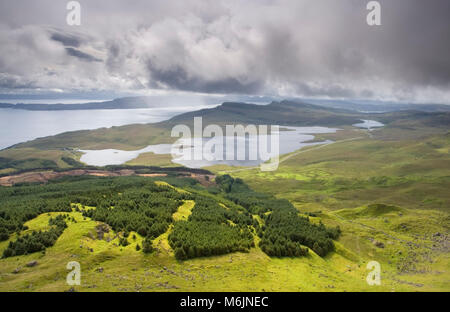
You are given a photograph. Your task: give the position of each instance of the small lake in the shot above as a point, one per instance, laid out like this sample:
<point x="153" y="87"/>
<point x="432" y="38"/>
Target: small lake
<point x="18" y="126"/>
<point x="290" y="140"/>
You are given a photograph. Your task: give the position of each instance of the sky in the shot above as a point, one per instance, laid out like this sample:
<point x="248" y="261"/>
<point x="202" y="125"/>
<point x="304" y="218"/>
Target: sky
<point x="282" y="48"/>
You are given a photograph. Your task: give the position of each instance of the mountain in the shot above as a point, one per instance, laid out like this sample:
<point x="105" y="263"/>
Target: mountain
<point x="158" y="101"/>
<point x="295" y="113"/>
<point x="120" y="103"/>
<point x="281" y="113"/>
<point x="141" y="102"/>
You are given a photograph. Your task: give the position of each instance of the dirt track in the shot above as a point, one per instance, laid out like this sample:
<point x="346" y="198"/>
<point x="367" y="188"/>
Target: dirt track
<point x="44" y="176"/>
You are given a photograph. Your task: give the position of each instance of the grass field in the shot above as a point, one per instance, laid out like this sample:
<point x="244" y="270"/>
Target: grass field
<point x="152" y="159"/>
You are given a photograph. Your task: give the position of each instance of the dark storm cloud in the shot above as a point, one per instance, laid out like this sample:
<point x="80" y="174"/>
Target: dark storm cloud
<point x="66" y="40"/>
<point x="81" y="55"/>
<point x="179" y="79"/>
<point x="418" y="44"/>
<point x="318" y="48"/>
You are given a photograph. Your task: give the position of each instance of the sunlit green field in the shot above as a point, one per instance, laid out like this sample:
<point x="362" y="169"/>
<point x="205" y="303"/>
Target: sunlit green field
<point x="107" y="267"/>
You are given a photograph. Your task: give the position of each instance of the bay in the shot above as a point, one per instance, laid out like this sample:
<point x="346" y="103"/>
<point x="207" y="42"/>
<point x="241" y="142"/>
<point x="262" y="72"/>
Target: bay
<point x="17" y="126"/>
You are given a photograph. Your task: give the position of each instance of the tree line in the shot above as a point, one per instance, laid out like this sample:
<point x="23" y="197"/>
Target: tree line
<point x="37" y="240"/>
<point x="284" y="232"/>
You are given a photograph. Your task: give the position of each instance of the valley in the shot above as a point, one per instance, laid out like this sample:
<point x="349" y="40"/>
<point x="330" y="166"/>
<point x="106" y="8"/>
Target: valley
<point x="379" y="195"/>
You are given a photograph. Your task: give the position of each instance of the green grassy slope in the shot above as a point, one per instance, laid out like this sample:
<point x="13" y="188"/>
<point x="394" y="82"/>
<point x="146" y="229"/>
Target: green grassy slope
<point x="108" y="267"/>
<point x="412" y="172"/>
<point x="390" y="199"/>
<point x="112" y="268"/>
<point x="129" y="137"/>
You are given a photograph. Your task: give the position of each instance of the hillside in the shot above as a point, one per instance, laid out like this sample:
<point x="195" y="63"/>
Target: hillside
<point x="390" y="199"/>
<point x="148" y="220"/>
<point x="276" y="113"/>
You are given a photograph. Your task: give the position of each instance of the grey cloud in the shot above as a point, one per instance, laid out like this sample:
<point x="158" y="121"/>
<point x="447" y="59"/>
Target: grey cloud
<point x="81" y="55"/>
<point x="66" y="40"/>
<point x="277" y="47"/>
<point x="11" y="82"/>
<point x="179" y="79"/>
<point x="329" y="90"/>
